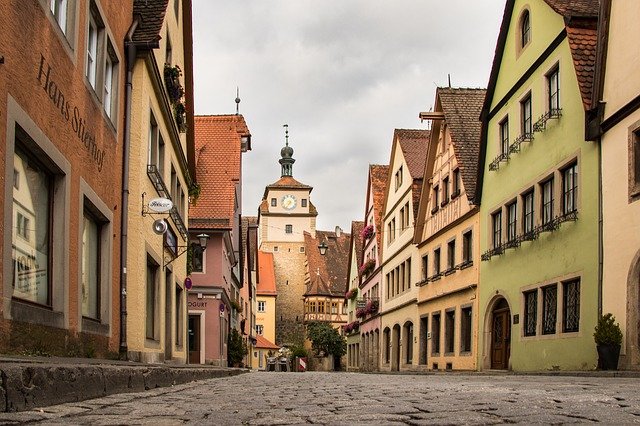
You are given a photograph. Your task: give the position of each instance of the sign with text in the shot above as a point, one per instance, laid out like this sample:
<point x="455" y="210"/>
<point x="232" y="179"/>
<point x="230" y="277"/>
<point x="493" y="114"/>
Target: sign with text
<point x="160" y="205"/>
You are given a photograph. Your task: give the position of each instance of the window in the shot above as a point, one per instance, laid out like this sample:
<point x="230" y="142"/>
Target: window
<point x="288" y="229"/>
<point x="153" y="150"/>
<point x="261" y="306"/>
<point x="303" y="202"/>
<point x="275" y="249"/>
<point x="407" y="270"/>
<point x="274" y="202"/>
<point x="449" y="331"/>
<point x="92" y="51"/>
<point x="436" y="261"/>
<point x="405" y="216"/>
<point x="398" y="178"/>
<point x="467" y="248"/>
<point x="168" y="53"/>
<point x="527" y="219"/>
<point x="179" y="315"/>
<point x="445" y="190"/>
<point x="321" y="307"/>
<point x="571" y="306"/>
<point x="569" y="189"/>
<point x="456" y="183"/>
<point x="436" y="198"/>
<point x="547" y="201"/>
<point x="451" y="255"/>
<point x="504" y="137"/>
<point x="634" y="164"/>
<point x="465" y="329"/>
<point x="259" y="329"/>
<point x="511" y="221"/>
<point x="313" y="307"/>
<point x="525" y="113"/>
<point x="549" y="309"/>
<point x="409" y="339"/>
<point x="176" y="8"/>
<point x="525" y="29"/>
<point x="425" y="267"/>
<point x="391" y="230"/>
<point x="59" y="10"/>
<point x="32" y="221"/>
<point x="151" y="300"/>
<point x="530" y="312"/>
<point x="109" y="101"/>
<point x="553" y="90"/>
<point x="435" y="333"/>
<point x="90" y="291"/>
<point x="496" y="220"/>
<point x="197" y="258"/>
<point x="334" y="308"/>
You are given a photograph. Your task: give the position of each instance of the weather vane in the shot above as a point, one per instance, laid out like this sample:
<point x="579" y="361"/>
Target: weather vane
<point x="286" y="133"/>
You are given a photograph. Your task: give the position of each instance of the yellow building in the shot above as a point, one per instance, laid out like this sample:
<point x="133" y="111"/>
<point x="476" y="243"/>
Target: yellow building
<point x="447" y="233"/>
<point x="616" y="110"/>
<point x="266" y="295"/>
<point x="400" y="262"/>
<point x="158" y="164"/>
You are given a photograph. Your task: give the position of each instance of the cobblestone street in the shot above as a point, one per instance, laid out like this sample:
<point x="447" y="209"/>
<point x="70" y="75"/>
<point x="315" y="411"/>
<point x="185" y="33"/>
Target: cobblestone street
<point x="347" y="398"/>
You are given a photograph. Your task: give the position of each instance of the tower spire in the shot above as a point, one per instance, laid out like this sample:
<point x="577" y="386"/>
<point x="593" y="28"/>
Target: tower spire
<point x="287" y="160"/>
<point x="237" y="100"/>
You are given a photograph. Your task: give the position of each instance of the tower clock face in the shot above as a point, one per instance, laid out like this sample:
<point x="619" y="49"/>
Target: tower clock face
<point x="289" y="202"/>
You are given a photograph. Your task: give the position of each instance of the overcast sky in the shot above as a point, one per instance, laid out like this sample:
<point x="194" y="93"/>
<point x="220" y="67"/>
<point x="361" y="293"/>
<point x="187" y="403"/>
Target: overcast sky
<point x="342" y="73"/>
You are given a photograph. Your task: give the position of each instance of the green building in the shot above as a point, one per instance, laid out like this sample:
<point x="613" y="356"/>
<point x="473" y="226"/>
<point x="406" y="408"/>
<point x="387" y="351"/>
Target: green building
<point x="538" y="186"/>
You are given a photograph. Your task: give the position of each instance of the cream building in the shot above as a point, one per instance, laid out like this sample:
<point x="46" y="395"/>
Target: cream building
<point x="617" y="124"/>
<point x="159" y="142"/>
<point x="447" y="234"/>
<point x="400" y="263"/>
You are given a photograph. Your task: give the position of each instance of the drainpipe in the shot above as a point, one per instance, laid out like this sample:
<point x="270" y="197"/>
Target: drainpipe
<point x="130" y="48"/>
<point x="600" y="231"/>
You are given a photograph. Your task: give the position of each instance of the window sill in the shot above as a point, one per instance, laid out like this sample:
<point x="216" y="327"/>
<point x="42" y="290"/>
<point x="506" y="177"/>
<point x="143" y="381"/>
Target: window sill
<point x="444" y="203"/>
<point x="93" y="326"/>
<point x="449" y="271"/>
<point x="434" y="210"/>
<point x="33" y="314"/>
<point x="466" y="264"/>
<point x="455" y="194"/>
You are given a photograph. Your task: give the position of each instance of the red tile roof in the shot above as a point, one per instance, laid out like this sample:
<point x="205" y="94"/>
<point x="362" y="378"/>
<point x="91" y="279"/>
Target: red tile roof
<point x="218" y="169"/>
<point x="151" y="14"/>
<point x="574" y="8"/>
<point x="328" y="273"/>
<point x="356" y="245"/>
<point x="263" y="343"/>
<point x="461" y="108"/>
<point x="378" y="175"/>
<point x="286" y="182"/>
<point x="582" y="42"/>
<point x="413" y="143"/>
<point x="266" y="275"/>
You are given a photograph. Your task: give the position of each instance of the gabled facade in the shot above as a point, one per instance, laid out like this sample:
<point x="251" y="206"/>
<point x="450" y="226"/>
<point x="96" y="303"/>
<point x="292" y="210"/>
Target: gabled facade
<point x="352" y="329"/>
<point x="62" y="107"/>
<point x="285" y="214"/>
<point x="447" y="232"/>
<point x="371" y="284"/>
<point x="400" y="263"/>
<point x="265" y="310"/>
<point x="216" y="304"/>
<point x="616" y="111"/>
<point x="539" y="189"/>
<point x="158" y="163"/>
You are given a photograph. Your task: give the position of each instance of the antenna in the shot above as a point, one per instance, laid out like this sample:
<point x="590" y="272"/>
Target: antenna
<point x="237" y="100"/>
<point x="286" y="134"/>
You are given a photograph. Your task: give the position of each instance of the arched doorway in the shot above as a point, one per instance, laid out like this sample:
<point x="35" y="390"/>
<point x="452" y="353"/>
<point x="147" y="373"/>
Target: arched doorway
<point x="500" y="335"/>
<point x="408" y="339"/>
<point x="632" y="333"/>
<point x="395" y="353"/>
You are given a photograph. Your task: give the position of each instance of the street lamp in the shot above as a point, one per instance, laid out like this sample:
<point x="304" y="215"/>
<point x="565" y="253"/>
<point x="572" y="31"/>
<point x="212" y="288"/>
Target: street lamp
<point x="202" y="240"/>
<point x="323" y="248"/>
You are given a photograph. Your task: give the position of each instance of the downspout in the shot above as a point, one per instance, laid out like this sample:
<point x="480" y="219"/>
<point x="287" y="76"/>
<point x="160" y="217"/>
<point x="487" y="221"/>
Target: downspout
<point x="131" y="52"/>
<point x="600" y="230"/>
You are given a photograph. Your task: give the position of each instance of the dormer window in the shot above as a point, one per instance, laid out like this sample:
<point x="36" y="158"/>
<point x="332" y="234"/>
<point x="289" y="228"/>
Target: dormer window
<point x="398" y="178"/>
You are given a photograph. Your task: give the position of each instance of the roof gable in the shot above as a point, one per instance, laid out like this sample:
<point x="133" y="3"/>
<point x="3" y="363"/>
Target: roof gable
<point x="378" y="175"/>
<point x="266" y="275"/>
<point x="328" y="273"/>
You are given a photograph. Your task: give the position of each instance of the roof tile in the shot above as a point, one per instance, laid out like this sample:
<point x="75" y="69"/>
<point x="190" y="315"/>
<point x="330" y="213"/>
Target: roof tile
<point x="328" y="273"/>
<point x="266" y="275"/>
<point x="151" y="13"/>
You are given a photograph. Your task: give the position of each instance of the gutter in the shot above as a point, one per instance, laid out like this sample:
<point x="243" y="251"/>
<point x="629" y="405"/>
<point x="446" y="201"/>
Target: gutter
<point x="131" y="49"/>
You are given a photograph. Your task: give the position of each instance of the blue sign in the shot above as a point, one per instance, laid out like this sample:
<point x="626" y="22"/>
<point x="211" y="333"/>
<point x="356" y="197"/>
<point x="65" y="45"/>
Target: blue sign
<point x="187" y="283"/>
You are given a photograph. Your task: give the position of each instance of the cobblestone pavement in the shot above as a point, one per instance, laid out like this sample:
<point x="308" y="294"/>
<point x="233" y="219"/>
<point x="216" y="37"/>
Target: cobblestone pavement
<point x="348" y="398"/>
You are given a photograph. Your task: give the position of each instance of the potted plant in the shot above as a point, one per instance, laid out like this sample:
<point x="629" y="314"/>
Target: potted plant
<point x="608" y="338"/>
<point x="367" y="232"/>
<point x="351" y="294"/>
<point x="367" y="267"/>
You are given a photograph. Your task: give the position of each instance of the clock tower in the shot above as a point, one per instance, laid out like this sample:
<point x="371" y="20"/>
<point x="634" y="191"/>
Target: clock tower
<point x="285" y="214"/>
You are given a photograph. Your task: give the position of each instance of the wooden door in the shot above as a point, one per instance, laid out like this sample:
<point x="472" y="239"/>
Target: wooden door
<point x="194" y="339"/>
<point x="501" y="339"/>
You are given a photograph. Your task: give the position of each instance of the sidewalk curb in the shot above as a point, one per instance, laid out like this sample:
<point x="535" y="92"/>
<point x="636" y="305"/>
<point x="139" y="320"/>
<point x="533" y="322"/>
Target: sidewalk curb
<point x="29" y="384"/>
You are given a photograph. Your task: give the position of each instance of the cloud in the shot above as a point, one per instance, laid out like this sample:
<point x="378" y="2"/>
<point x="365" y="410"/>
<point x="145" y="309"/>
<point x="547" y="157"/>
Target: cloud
<point x="342" y="74"/>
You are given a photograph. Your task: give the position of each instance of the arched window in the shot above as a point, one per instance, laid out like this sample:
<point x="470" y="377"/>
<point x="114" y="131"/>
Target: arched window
<point x="525" y="29"/>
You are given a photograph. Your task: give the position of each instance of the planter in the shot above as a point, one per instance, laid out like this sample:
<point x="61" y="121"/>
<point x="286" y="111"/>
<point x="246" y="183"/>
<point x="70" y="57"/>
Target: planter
<point x="608" y="356"/>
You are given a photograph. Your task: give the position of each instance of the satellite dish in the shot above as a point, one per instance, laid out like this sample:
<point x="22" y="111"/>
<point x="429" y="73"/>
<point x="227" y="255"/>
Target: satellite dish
<point x="159" y="226"/>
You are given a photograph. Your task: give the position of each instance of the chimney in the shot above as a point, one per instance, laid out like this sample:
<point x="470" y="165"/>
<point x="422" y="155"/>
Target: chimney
<point x="338" y="231"/>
